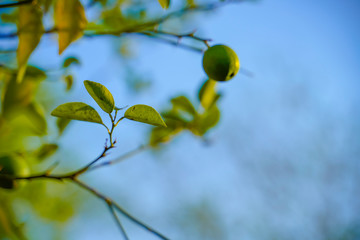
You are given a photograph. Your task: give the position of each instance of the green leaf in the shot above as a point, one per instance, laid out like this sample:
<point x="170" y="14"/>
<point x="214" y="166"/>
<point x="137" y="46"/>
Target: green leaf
<point x="70" y="61"/>
<point x="35" y="73"/>
<point x="77" y="111"/>
<point x="206" y="121"/>
<point x="101" y="95"/>
<point x="30" y="30"/>
<point x="36" y="114"/>
<point x="70" y="20"/>
<point x="174" y="116"/>
<point x="161" y="135"/>
<point x="62" y="123"/>
<point x="145" y="114"/>
<point x="46" y="150"/>
<point x="164" y="3"/>
<point x="69" y="80"/>
<point x="207" y="94"/>
<point x="184" y="104"/>
<point x="19" y="94"/>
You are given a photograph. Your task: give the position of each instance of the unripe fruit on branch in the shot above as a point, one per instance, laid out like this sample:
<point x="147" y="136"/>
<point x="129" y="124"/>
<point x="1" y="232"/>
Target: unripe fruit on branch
<point x="220" y="63"/>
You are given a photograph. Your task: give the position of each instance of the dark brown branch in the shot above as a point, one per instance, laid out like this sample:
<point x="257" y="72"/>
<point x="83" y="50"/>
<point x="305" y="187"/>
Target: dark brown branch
<point x="16" y="4"/>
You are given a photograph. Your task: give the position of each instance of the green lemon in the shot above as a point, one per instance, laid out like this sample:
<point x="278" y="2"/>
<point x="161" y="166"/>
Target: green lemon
<point x="220" y="63"/>
<point x="12" y="165"/>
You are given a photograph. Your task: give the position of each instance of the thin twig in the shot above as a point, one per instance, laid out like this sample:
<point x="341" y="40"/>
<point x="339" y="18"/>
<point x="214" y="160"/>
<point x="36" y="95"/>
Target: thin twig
<point x="180" y="36"/>
<point x="138" y="222"/>
<point x="117" y="207"/>
<point x="86" y="167"/>
<point x="168" y="41"/>
<point x="121" y="158"/>
<point x="117" y="220"/>
<point x="16" y="4"/>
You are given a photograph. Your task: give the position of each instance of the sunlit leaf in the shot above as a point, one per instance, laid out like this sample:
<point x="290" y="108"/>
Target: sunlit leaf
<point x="36" y="114"/>
<point x="164" y="3"/>
<point x="184" y="104"/>
<point x="206" y="121"/>
<point x="46" y="150"/>
<point x="8" y="222"/>
<point x="145" y="114"/>
<point x="70" y="61"/>
<point x="30" y="30"/>
<point x="207" y="94"/>
<point x="61" y="124"/>
<point x="70" y="20"/>
<point x="175" y="116"/>
<point x="160" y="135"/>
<point x="77" y="111"/>
<point x="18" y="94"/>
<point x="101" y="95"/>
<point x="50" y="201"/>
<point x="35" y="73"/>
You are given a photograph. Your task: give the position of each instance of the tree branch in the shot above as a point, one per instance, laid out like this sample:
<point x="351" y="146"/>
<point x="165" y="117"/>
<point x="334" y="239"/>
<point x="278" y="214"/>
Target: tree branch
<point x="121" y="158"/>
<point x="16" y="4"/>
<point x="73" y="177"/>
<point x="112" y="211"/>
<point x="117" y="207"/>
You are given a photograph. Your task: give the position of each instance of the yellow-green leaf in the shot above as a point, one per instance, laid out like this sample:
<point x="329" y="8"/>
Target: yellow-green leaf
<point x="77" y="111"/>
<point x="36" y="115"/>
<point x="206" y="121"/>
<point x="46" y="150"/>
<point x="18" y="94"/>
<point x="164" y="3"/>
<point x="62" y="123"/>
<point x="69" y="80"/>
<point x="145" y="114"/>
<point x="70" y="21"/>
<point x="30" y="30"/>
<point x="183" y="103"/>
<point x="70" y="61"/>
<point x="101" y="95"/>
<point x="207" y="94"/>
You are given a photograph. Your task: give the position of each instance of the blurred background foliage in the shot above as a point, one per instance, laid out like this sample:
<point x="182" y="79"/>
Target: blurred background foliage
<point x="282" y="166"/>
<point x="27" y="97"/>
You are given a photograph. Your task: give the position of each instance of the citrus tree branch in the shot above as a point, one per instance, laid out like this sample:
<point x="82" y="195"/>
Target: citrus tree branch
<point x="16" y="4"/>
<point x="73" y="177"/>
<point x="148" y="28"/>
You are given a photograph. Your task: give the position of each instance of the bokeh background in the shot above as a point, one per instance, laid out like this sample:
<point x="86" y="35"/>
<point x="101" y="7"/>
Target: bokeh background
<point x="283" y="163"/>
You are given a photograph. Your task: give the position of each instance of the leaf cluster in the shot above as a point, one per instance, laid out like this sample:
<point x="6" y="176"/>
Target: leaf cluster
<point x="183" y="115"/>
<point x="105" y="100"/>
